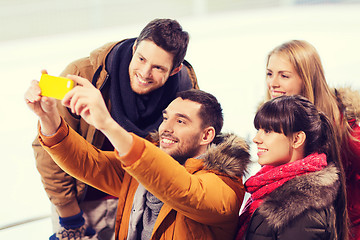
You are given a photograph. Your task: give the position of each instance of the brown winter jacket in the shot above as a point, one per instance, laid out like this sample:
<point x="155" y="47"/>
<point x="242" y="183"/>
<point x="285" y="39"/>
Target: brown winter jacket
<point x="61" y="188"/>
<point x="201" y="199"/>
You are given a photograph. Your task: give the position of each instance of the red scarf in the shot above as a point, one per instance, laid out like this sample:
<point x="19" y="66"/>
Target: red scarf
<point x="270" y="178"/>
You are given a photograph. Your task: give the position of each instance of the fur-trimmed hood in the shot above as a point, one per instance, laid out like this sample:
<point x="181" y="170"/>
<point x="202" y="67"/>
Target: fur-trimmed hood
<point x="316" y="190"/>
<point x="350" y="100"/>
<point x="228" y="154"/>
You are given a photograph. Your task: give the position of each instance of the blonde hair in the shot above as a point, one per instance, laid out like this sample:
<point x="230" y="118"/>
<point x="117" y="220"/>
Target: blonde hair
<point x="306" y="61"/>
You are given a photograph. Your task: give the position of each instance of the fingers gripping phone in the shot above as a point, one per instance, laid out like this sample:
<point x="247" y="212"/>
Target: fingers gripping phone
<point x="55" y="87"/>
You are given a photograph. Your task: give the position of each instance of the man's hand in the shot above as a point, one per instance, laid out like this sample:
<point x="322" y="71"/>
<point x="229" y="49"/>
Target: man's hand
<point x="85" y="100"/>
<point x="43" y="107"/>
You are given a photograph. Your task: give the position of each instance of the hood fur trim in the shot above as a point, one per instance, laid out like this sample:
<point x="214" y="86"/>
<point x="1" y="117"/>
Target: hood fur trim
<point x="228" y="154"/>
<point x="351" y="102"/>
<point x="316" y="190"/>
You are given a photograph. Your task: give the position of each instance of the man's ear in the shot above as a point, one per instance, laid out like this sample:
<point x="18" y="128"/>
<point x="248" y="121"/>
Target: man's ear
<point x="299" y="139"/>
<point x="134" y="47"/>
<point x="208" y="136"/>
<point x="176" y="70"/>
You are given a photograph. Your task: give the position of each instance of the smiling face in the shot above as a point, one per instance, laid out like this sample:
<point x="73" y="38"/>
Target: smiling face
<point x="273" y="148"/>
<point x="281" y="77"/>
<point x="150" y="67"/>
<point x="181" y="132"/>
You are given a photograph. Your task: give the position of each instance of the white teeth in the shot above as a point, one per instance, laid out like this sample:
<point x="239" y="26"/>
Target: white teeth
<point x="141" y="80"/>
<point x="168" y="141"/>
<point x="262" y="150"/>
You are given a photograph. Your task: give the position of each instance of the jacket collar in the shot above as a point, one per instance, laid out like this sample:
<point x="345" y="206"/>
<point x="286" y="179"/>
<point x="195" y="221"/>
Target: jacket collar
<point x="97" y="60"/>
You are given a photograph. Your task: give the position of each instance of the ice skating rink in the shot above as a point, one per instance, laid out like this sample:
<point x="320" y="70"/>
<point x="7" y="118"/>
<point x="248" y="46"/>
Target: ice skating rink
<point x="227" y="51"/>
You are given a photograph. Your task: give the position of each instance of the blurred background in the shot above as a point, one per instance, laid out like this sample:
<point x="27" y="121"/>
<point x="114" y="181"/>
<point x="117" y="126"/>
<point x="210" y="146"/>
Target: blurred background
<point x="229" y="41"/>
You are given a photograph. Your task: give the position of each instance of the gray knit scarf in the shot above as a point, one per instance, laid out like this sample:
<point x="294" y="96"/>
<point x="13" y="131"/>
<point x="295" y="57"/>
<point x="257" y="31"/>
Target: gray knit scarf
<point x="144" y="212"/>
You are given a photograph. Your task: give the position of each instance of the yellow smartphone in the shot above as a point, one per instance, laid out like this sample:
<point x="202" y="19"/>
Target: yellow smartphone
<point x="55" y="87"/>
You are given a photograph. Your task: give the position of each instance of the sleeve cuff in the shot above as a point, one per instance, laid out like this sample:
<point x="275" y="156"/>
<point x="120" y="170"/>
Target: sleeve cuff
<point x="135" y="152"/>
<point x="60" y="134"/>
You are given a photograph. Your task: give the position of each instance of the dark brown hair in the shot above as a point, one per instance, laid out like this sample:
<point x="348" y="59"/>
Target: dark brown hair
<point x="210" y="111"/>
<point x="169" y="35"/>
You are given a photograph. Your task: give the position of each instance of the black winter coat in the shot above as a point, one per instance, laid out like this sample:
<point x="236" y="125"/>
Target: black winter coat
<point x="302" y="208"/>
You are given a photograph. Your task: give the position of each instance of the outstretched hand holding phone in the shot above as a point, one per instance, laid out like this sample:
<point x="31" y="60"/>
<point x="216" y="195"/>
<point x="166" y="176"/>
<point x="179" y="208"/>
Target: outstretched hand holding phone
<point x="84" y="100"/>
